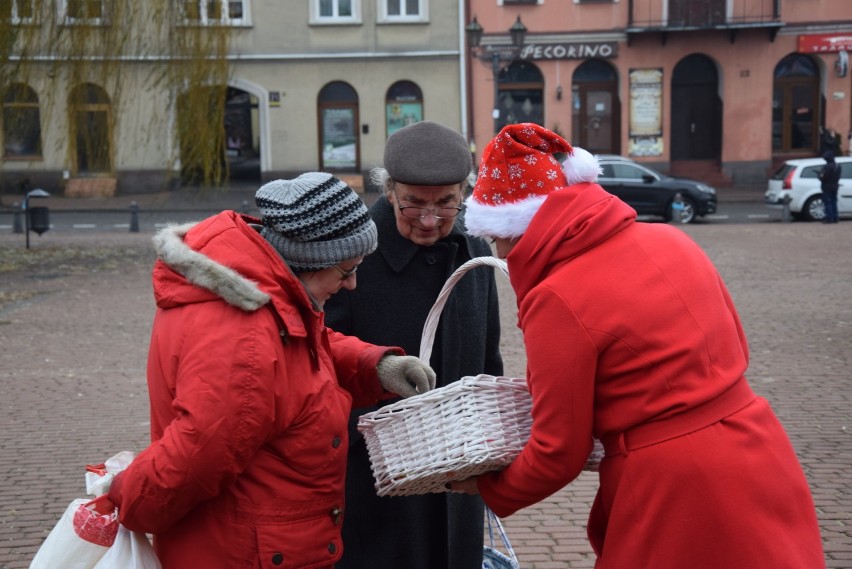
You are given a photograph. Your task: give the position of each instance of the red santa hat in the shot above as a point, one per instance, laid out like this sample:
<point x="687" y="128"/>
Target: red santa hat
<point x="517" y="173"/>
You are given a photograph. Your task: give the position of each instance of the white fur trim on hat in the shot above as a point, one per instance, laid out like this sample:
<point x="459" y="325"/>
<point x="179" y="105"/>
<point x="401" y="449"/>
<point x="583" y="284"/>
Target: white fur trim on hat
<point x="506" y="220"/>
<point x="581" y="166"/>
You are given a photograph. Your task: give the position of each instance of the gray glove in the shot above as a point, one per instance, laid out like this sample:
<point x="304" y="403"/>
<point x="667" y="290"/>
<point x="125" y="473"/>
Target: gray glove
<point x="405" y="375"/>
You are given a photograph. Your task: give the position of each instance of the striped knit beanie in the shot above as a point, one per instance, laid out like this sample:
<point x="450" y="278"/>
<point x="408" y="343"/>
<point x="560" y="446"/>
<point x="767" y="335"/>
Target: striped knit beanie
<point x="315" y="221"/>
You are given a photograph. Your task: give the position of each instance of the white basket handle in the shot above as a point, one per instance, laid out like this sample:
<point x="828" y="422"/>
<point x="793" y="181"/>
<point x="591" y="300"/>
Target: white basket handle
<point x="434" y="316"/>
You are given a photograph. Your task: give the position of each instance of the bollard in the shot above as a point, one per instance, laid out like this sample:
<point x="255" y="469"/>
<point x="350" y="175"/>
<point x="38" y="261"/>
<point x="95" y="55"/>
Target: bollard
<point x="17" y="224"/>
<point x="785" y="211"/>
<point x="244" y="207"/>
<point x="677" y="208"/>
<point x="134" y="217"/>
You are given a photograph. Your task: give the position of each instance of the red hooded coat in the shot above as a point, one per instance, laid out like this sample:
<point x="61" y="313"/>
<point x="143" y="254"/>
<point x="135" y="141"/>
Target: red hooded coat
<point x="631" y="337"/>
<point x="250" y="396"/>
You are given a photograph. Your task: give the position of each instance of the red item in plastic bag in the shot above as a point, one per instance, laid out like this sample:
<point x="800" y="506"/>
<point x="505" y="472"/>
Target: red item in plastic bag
<point x="96" y="528"/>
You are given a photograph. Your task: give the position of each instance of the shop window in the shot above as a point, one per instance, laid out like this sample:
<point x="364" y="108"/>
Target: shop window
<point x="403" y="105"/>
<point x="21" y="122"/>
<point x="337" y="106"/>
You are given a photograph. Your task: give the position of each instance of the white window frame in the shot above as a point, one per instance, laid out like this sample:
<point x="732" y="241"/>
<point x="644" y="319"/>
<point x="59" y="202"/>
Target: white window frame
<point x="16" y="18"/>
<point x="315" y="17"/>
<point x="421" y="17"/>
<point x="224" y="19"/>
<point x="67" y="19"/>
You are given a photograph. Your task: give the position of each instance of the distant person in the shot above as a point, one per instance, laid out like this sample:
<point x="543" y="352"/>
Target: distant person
<point x="830" y="142"/>
<point x="421" y="242"/>
<point x="250" y="393"/>
<point x="632" y="337"/>
<point x="829" y="179"/>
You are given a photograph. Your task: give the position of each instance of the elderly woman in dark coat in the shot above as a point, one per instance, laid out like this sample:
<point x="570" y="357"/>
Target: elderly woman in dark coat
<point x="421" y="242"/>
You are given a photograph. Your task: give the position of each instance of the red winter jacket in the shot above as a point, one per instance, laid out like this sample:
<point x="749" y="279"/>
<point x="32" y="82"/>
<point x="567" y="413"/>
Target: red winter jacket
<point x="250" y="395"/>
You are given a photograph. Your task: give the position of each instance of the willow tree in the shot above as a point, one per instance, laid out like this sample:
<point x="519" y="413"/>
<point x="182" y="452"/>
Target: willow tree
<point x="74" y="52"/>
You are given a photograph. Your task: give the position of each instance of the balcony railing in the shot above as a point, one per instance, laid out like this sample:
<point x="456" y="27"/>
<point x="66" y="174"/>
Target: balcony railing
<point x="675" y="15"/>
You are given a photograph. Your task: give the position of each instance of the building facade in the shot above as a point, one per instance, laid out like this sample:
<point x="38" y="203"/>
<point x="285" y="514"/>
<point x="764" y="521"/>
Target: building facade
<point x="105" y="97"/>
<point x="725" y="89"/>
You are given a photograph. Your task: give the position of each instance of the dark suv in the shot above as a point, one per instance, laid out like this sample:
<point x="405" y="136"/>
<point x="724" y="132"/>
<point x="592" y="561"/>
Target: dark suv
<point x="651" y="193"/>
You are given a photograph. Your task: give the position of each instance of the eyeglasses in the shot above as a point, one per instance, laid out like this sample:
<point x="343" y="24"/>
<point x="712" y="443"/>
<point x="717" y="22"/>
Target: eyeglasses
<point x="412" y="212"/>
<point x="416" y="212"/>
<point x="344" y="274"/>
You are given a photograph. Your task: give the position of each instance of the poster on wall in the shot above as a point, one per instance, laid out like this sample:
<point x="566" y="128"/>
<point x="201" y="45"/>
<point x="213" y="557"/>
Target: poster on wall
<point x="403" y="114"/>
<point x="338" y="138"/>
<point x="646" y="112"/>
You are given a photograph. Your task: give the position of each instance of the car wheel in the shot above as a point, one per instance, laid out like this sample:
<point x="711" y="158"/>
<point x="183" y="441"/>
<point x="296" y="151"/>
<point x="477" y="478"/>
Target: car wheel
<point x="687" y="214"/>
<point x="814" y="209"/>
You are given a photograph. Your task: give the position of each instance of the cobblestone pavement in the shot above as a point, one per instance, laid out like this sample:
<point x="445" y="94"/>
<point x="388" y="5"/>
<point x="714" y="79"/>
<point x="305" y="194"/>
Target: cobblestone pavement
<point x="75" y="316"/>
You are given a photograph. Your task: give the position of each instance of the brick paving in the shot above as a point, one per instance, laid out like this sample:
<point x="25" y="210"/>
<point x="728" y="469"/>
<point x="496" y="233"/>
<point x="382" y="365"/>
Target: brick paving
<point x="75" y="316"/>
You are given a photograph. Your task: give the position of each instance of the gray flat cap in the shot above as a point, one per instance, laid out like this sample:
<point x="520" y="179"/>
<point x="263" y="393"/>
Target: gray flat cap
<point x="427" y="154"/>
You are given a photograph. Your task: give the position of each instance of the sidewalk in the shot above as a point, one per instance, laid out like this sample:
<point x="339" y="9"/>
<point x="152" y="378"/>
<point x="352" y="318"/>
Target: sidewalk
<point x="238" y="197"/>
<point x="75" y="323"/>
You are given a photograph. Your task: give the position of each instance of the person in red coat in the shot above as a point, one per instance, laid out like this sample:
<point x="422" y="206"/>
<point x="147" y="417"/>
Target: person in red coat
<point x="250" y="393"/>
<point x="632" y="338"/>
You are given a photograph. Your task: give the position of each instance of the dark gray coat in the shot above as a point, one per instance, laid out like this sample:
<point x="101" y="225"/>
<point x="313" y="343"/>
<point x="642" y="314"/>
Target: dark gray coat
<point x="396" y="287"/>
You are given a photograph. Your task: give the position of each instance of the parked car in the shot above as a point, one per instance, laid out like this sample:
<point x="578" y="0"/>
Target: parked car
<point x="797" y="181"/>
<point x="651" y="193"/>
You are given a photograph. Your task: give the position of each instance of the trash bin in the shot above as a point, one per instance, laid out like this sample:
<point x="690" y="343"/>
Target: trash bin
<point x="39" y="219"/>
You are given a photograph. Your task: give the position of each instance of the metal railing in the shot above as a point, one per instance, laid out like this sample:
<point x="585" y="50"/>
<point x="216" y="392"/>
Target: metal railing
<point x="653" y="15"/>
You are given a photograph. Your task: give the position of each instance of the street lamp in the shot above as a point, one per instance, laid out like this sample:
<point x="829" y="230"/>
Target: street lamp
<point x="498" y="56"/>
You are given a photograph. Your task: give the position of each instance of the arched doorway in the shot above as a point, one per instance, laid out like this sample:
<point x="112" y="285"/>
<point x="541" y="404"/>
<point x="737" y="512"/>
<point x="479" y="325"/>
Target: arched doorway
<point x="696" y="120"/>
<point x="795" y="105"/>
<point x="91" y="130"/>
<point x="595" y="108"/>
<point x="520" y="95"/>
<point x="201" y="136"/>
<point x="403" y="106"/>
<point x="337" y="109"/>
<point x="242" y="137"/>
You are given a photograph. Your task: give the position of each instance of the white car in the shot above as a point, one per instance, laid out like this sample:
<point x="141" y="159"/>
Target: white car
<point x="798" y="181"/>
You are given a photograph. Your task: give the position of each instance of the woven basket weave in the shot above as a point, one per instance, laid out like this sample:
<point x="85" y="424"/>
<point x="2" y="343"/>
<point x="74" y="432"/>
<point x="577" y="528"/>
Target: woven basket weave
<point x="471" y="426"/>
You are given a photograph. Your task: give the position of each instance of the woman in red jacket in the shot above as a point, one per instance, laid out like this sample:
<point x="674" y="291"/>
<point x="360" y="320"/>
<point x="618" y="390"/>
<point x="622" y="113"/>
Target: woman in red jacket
<point x="250" y="393"/>
<point x="632" y="338"/>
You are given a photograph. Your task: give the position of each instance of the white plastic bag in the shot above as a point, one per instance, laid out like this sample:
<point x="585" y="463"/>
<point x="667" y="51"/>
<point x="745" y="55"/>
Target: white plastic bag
<point x="131" y="550"/>
<point x="64" y="548"/>
<point x="99" y="476"/>
<point x="493" y="558"/>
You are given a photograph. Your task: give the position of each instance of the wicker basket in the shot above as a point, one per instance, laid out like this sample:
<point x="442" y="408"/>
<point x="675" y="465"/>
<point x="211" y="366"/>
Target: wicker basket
<point x="471" y="426"/>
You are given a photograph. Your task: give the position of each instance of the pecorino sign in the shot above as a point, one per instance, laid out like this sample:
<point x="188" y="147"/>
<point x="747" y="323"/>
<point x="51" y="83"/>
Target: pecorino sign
<point x="536" y="51"/>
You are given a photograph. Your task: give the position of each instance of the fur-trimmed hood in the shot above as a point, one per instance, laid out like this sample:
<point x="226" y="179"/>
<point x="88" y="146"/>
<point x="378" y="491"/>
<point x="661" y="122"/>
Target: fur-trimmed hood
<point x="203" y="271"/>
<point x="224" y="257"/>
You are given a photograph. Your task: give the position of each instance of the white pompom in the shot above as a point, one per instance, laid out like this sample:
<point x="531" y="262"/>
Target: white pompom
<point x="581" y="166"/>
